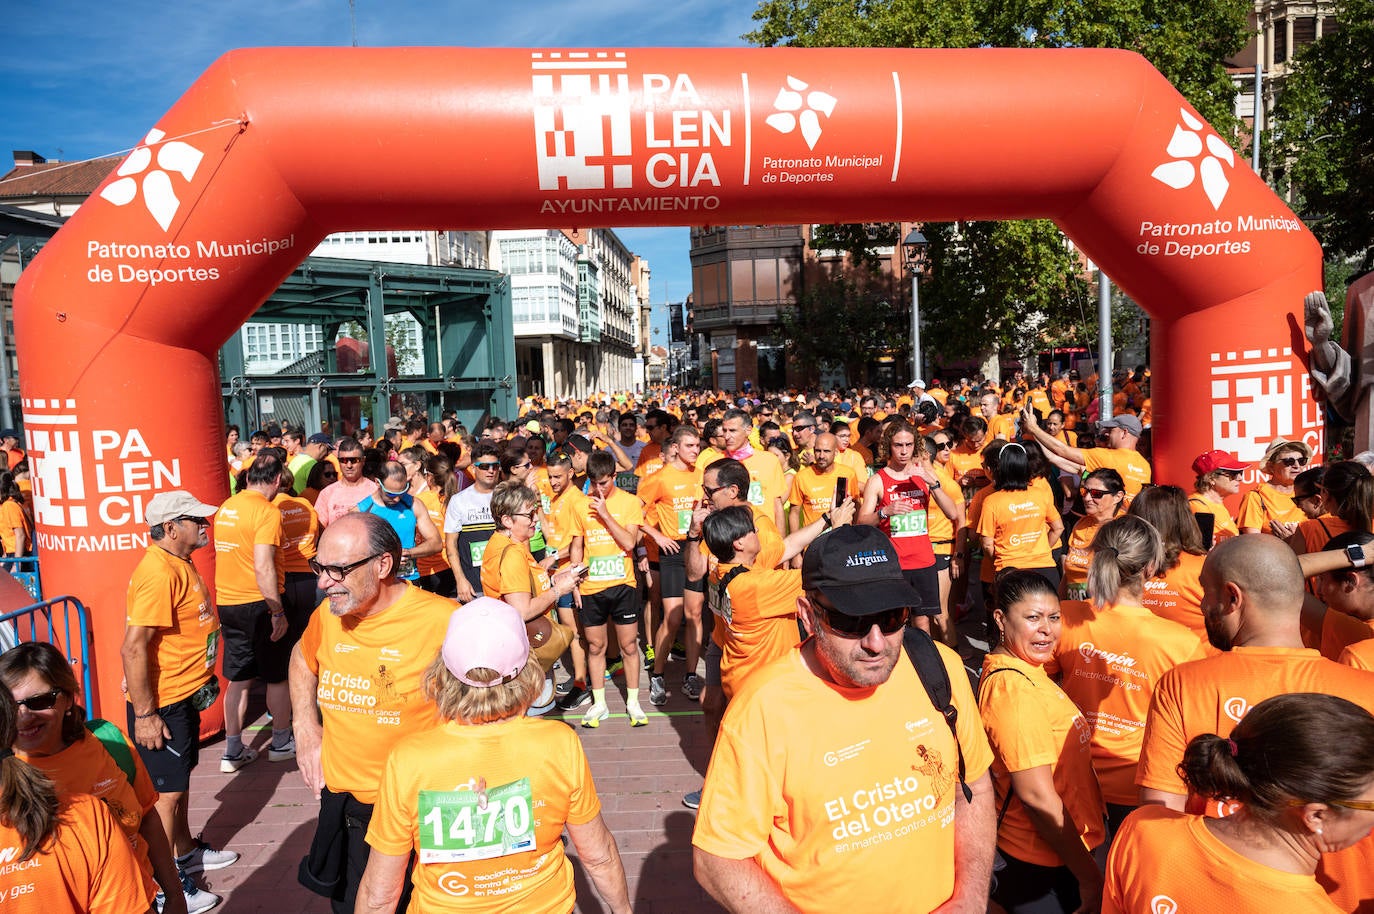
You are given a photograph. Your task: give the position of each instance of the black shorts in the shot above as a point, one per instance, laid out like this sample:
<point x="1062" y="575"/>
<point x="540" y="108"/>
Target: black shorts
<point x="249" y="651"/>
<point x="619" y="604"/>
<point x="942" y="562"/>
<point x="442" y="582"/>
<point x="170" y="767"/>
<point x="672" y="574"/>
<point x="697" y="586"/>
<point x="926" y="583"/>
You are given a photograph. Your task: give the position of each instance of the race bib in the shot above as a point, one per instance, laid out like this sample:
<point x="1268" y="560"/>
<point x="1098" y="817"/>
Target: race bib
<point x="476" y="551"/>
<point x="537" y="541"/>
<point x="453" y="829"/>
<point x="211" y="648"/>
<point x="606" y="568"/>
<point x="544" y="503"/>
<point x="755" y="492"/>
<point x="627" y="481"/>
<point x="913" y="523"/>
<point x="684" y="521"/>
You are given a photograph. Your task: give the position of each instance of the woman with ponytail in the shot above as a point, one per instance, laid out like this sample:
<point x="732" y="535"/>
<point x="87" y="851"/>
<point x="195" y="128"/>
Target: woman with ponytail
<point x="1300" y="768"/>
<point x="63" y="856"/>
<point x="1019" y="525"/>
<point x="1113" y="650"/>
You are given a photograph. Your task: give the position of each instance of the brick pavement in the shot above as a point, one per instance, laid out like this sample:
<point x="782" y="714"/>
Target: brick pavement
<point x="266" y="814"/>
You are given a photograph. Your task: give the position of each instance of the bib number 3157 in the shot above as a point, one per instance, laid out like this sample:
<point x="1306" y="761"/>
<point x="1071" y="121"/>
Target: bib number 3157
<point x="454" y="829"/>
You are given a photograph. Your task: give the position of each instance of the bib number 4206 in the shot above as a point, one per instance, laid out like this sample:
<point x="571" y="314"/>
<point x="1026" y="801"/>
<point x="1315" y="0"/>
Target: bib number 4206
<point x="454" y="829"/>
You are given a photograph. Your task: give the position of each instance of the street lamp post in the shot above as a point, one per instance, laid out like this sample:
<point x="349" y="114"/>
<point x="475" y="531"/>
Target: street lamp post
<point x="914" y="255"/>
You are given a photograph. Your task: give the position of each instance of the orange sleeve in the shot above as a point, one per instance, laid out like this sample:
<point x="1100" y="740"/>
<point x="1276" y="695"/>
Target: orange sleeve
<point x="151" y="602"/>
<point x="116" y="882"/>
<point x="311" y="638"/>
<point x="515" y="571"/>
<point x="1018" y="730"/>
<point x="1165" y="738"/>
<point x="1251" y="513"/>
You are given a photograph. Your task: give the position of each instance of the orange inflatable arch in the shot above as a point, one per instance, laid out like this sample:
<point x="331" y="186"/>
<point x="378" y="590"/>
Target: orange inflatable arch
<point x="120" y="318"/>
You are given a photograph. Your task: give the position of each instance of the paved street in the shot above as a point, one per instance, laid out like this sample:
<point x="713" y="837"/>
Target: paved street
<point x="265" y="813"/>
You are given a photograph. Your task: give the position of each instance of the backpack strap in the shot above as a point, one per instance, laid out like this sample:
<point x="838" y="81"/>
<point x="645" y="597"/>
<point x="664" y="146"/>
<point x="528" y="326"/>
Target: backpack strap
<point x="930" y="667"/>
<point x="114" y="743"/>
<point x="1006" y="801"/>
<point x="722" y="607"/>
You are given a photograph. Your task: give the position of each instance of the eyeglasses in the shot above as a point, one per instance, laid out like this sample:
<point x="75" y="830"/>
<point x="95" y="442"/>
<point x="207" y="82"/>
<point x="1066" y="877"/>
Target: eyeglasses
<point x="40" y="702"/>
<point x="526" y="514"/>
<point x="487" y="467"/>
<point x="522" y="466"/>
<point x="1232" y="474"/>
<point x="1293" y="461"/>
<point x="1362" y="805"/>
<point x="889" y="621"/>
<point x="198" y="521"/>
<point x="1097" y="493"/>
<point x="711" y="490"/>
<point x="349" y="461"/>
<point x="801" y="428"/>
<point x="943" y="446"/>
<point x="339" y="572"/>
<point x="387" y="493"/>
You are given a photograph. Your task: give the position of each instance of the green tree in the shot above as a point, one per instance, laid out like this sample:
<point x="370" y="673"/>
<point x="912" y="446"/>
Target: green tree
<point x="1321" y="147"/>
<point x="1015" y="284"/>
<point x="845" y="318"/>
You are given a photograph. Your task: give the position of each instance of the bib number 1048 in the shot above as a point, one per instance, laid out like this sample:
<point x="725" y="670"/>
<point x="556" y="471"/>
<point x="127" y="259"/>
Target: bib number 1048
<point x="454" y="829"/>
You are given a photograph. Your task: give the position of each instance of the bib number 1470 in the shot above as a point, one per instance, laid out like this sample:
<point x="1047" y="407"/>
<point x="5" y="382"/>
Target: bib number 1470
<point x="454" y="829"/>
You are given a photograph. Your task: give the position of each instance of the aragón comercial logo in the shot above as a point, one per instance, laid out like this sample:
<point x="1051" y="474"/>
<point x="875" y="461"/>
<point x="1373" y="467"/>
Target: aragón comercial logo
<point x="794" y="111"/>
<point x="1195" y="158"/>
<point x="158" y="194"/>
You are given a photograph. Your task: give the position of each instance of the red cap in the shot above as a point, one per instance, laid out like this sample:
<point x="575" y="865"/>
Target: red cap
<point x="1212" y="461"/>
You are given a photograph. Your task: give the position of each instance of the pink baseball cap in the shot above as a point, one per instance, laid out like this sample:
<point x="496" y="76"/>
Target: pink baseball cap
<point x="486" y="633"/>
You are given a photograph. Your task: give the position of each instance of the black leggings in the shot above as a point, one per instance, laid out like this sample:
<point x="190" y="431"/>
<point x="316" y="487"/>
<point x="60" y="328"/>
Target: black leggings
<point x="1027" y="888"/>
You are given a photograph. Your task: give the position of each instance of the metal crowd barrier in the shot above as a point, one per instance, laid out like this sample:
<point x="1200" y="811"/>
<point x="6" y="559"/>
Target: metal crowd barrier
<point x="25" y="571"/>
<point x="37" y="623"/>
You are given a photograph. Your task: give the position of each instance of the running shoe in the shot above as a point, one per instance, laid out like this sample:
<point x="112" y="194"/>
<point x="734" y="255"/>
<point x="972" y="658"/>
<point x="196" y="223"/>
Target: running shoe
<point x="658" y="691"/>
<point x="197" y="899"/>
<point x="285" y="753"/>
<point x="564" y="687"/>
<point x="203" y="858"/>
<point x="692" y="800"/>
<point x="615" y="668"/>
<point x="577" y="698"/>
<point x="229" y="764"/>
<point x="691" y="686"/>
<point x="679" y="651"/>
<point x="637" y="716"/>
<point x="595" y="715"/>
<point x="648" y="655"/>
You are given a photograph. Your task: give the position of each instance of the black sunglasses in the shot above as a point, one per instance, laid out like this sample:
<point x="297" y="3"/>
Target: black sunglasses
<point x="339" y="572"/>
<point x="198" y="521"/>
<point x="350" y="460"/>
<point x="487" y="466"/>
<point x="889" y="621"/>
<point x="40" y="702"/>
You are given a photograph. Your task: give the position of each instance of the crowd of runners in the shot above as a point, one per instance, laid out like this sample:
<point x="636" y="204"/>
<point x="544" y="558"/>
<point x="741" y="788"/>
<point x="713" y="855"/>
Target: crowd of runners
<point x="955" y="647"/>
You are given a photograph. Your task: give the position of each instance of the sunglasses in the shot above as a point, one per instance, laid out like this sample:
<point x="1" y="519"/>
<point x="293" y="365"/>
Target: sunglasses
<point x="943" y="446"/>
<point x="488" y="467"/>
<point x="801" y="428"/>
<point x="40" y="702"/>
<point x="349" y="461"/>
<point x="1097" y="493"/>
<point x="522" y="466"/>
<point x="339" y="572"/>
<point x="889" y="621"/>
<point x="198" y="521"/>
<point x="387" y="493"/>
<point x="1294" y="461"/>
<point x="711" y="490"/>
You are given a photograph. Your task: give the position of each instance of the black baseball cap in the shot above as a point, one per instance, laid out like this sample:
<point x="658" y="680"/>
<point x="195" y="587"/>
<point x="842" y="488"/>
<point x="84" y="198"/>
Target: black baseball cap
<point x="320" y="438"/>
<point x="856" y="568"/>
<point x="580" y="443"/>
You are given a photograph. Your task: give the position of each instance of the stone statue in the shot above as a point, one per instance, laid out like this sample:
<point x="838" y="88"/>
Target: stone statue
<point x="1344" y="373"/>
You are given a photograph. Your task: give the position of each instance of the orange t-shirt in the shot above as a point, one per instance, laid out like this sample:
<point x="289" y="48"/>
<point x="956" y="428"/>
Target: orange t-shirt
<point x="831" y="835"/>
<point x="12" y="518"/>
<point x="1018" y="524"/>
<point x="166" y="593"/>
<point x="1359" y="655"/>
<point x="1134" y="469"/>
<point x="814" y="492"/>
<point x="88" y="868"/>
<point x="87" y="767"/>
<point x="558" y="520"/>
<point x="1203" y="873"/>
<point x="668" y="496"/>
<point x="1339" y="631"/>
<point x="432" y="564"/>
<point x="1318" y="531"/>
<point x="509" y="567"/>
<point x="369" y="691"/>
<point x="245" y="521"/>
<point x="1223" y="525"/>
<point x="940" y="528"/>
<point x="963" y="461"/>
<point x="758" y="623"/>
<point x="1176" y="595"/>
<point x="300" y="527"/>
<point x="537" y="778"/>
<point x="855" y="461"/>
<point x="1212" y="695"/>
<point x="766" y="482"/>
<point x="1264" y="503"/>
<point x="1077" y="558"/>
<point x="607" y="564"/>
<point x="1002" y="425"/>
<point x="1031" y="723"/>
<point x="1111" y="659"/>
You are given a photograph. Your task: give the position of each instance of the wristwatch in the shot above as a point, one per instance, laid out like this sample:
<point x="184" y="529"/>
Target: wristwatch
<point x="1356" y="556"/>
<point x="934" y="486"/>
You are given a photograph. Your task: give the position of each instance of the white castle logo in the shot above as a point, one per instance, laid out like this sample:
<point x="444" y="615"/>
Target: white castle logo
<point x="789" y="100"/>
<point x="1187" y="145"/>
<point x="158" y="195"/>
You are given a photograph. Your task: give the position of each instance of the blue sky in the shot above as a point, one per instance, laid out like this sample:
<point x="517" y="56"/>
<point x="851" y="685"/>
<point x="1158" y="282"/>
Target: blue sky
<point x="85" y="79"/>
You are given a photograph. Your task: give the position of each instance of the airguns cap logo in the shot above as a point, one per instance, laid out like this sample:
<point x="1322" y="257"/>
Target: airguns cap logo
<point x="1186" y="146"/>
<point x="158" y="194"/>
<point x="793" y="110"/>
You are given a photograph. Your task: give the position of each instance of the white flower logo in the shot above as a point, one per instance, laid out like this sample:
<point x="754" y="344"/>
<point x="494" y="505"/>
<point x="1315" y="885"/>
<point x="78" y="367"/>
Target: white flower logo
<point x="158" y="196"/>
<point x="790" y="99"/>
<point x="1188" y="144"/>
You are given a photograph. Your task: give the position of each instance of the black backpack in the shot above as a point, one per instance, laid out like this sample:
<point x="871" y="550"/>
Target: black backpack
<point x="930" y="667"/>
